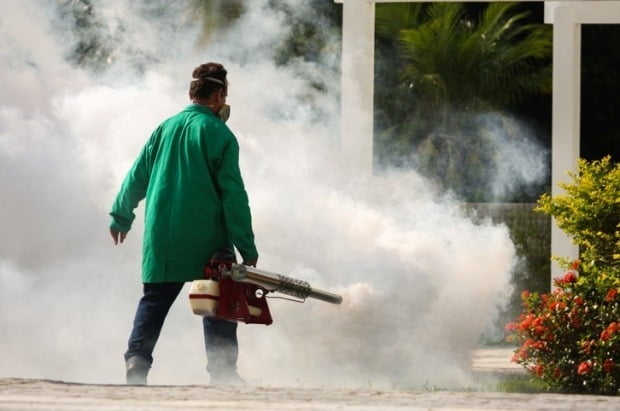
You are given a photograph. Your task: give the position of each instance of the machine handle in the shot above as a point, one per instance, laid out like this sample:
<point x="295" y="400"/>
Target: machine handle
<point x="277" y="282"/>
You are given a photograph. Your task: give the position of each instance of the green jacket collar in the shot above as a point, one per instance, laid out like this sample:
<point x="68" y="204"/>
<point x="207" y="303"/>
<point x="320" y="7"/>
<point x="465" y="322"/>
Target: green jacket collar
<point x="200" y="108"/>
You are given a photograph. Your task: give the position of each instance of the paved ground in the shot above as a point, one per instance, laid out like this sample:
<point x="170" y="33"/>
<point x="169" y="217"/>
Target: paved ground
<point x="31" y="394"/>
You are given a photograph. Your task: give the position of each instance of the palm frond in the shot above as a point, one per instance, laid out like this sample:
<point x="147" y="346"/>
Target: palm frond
<point x="391" y="18"/>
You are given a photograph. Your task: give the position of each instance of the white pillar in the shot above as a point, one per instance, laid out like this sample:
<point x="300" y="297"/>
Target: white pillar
<point x="358" y="54"/>
<point x="565" y="135"/>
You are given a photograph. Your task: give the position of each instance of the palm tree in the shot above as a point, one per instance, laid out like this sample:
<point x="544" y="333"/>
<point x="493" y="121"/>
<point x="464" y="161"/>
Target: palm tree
<point x="454" y="61"/>
<point x="449" y="67"/>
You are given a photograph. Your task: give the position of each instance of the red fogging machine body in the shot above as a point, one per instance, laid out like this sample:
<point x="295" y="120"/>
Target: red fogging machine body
<point x="236" y="292"/>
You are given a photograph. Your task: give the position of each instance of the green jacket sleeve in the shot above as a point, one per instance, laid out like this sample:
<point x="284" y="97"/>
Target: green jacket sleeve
<point x="132" y="191"/>
<point x="235" y="202"/>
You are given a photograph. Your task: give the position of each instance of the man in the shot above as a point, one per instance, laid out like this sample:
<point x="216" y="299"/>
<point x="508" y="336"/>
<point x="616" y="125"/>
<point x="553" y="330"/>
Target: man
<point x="196" y="204"/>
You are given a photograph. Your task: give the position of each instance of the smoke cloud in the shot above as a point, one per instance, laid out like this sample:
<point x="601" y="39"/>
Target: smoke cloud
<point x="420" y="281"/>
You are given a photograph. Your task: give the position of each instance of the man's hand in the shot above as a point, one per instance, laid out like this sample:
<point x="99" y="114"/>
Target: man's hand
<point x="251" y="263"/>
<point x="118" y="236"/>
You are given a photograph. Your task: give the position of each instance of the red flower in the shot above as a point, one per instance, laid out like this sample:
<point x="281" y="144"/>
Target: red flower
<point x="538" y="370"/>
<point x="605" y="335"/>
<point x="558" y="292"/>
<point x="584" y="368"/>
<point x="608" y="365"/>
<point x="579" y="300"/>
<point x="527" y="322"/>
<point x="522" y="354"/>
<point x="557" y="306"/>
<point x="611" y="295"/>
<point x="609" y="331"/>
<point x="570" y="277"/>
<point x="575" y="265"/>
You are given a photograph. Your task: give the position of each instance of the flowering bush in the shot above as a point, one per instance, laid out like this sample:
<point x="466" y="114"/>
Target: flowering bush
<point x="570" y="337"/>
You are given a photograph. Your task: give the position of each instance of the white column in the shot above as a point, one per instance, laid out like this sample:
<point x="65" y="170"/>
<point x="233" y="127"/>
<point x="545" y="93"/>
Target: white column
<point x="358" y="49"/>
<point x="565" y="133"/>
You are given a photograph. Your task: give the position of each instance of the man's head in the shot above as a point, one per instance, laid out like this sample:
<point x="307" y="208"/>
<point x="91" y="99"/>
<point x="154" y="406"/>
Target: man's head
<point x="210" y="88"/>
<point x="207" y="79"/>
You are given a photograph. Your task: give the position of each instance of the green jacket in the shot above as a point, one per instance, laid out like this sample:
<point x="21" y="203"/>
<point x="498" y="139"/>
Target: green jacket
<point x="196" y="202"/>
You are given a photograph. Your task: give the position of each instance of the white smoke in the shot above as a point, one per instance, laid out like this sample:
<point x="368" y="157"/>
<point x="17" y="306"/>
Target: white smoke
<point x="519" y="160"/>
<point x="420" y="281"/>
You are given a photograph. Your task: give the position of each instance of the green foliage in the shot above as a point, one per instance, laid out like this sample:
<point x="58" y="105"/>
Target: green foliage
<point x="454" y="62"/>
<point x="520" y="384"/>
<point x="313" y="34"/>
<point x="96" y="40"/>
<point x="93" y="46"/>
<point x="590" y="211"/>
<point x="570" y="338"/>
<point x="439" y="71"/>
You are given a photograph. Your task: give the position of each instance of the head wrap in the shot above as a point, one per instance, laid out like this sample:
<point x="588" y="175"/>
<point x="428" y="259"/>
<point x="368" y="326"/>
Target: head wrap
<point x="213" y="79"/>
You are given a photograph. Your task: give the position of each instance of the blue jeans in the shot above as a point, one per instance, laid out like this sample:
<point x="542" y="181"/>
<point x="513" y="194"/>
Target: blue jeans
<point x="220" y="336"/>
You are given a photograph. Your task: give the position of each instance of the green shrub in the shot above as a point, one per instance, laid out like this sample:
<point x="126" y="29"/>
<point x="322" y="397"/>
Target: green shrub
<point x="589" y="212"/>
<point x="570" y="338"/>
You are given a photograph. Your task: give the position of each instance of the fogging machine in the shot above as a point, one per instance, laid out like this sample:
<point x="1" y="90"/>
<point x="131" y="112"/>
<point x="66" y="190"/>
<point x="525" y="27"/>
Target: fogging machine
<point x="236" y="292"/>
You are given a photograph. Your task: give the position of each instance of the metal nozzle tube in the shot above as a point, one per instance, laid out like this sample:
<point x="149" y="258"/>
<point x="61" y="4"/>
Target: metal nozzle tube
<point x="280" y="283"/>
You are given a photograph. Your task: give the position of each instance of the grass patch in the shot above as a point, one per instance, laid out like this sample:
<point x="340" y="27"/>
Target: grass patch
<point x="521" y="384"/>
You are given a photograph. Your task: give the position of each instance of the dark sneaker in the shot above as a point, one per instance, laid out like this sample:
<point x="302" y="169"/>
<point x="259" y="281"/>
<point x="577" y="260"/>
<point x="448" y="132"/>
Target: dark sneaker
<point x="137" y="370"/>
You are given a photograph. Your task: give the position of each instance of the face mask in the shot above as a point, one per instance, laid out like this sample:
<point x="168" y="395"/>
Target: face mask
<point x="224" y="112"/>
